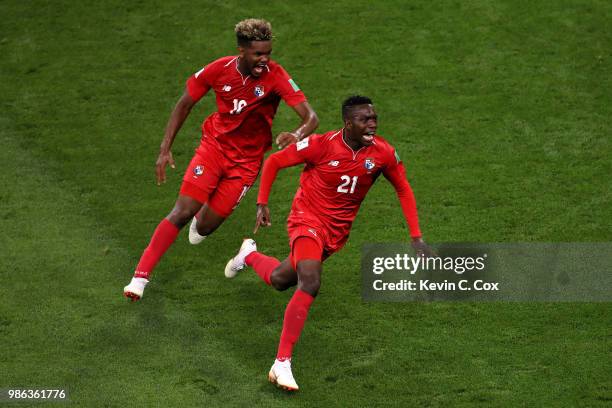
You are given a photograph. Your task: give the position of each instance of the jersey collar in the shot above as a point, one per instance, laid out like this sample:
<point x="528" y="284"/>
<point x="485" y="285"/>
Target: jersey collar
<point x="244" y="79"/>
<point x="354" y="152"/>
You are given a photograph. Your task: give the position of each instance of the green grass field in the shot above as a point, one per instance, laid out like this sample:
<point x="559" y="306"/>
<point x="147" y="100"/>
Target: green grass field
<point x="500" y="109"/>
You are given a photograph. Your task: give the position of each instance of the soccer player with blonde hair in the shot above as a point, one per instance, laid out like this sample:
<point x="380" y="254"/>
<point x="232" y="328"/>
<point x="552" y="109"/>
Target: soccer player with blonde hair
<point x="248" y="88"/>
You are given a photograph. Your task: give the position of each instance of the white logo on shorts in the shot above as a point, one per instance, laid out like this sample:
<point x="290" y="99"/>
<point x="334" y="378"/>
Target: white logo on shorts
<point x="245" y="189"/>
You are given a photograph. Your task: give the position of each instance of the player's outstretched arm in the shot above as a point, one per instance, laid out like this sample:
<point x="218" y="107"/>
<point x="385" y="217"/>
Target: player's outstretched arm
<point x="397" y="177"/>
<point x="310" y="122"/>
<point x="177" y="118"/>
<point x="279" y="160"/>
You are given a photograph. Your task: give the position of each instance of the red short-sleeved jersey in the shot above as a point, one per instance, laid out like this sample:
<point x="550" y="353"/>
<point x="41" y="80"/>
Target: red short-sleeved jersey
<point x="242" y="124"/>
<point x="335" y="181"/>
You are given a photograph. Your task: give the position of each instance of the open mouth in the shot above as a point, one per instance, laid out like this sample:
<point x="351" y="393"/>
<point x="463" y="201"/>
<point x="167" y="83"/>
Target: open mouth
<point x="369" y="136"/>
<point x="259" y="69"/>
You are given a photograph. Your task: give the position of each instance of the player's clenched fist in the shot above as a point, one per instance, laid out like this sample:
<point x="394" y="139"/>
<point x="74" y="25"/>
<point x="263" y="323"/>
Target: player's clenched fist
<point x="285" y="139"/>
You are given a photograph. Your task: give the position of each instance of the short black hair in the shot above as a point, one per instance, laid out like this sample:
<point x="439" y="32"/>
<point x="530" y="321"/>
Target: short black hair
<point x="352" y="101"/>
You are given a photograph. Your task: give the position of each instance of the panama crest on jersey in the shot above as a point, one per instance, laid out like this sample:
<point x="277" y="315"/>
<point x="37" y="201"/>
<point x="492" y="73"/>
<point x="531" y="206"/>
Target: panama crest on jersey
<point x="369" y="164"/>
<point x="198" y="170"/>
<point x="259" y="91"/>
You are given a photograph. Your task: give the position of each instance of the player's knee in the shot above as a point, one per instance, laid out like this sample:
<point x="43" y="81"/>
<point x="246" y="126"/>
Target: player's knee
<point x="208" y="224"/>
<point x="280" y="282"/>
<point x="206" y="229"/>
<point x="309" y="279"/>
<point x="181" y="215"/>
<point x="208" y="221"/>
<point x="310" y="286"/>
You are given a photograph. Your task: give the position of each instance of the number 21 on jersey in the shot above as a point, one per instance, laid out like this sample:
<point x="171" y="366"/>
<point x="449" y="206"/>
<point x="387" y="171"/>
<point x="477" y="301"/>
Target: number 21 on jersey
<point x="346" y="181"/>
<point x="239" y="105"/>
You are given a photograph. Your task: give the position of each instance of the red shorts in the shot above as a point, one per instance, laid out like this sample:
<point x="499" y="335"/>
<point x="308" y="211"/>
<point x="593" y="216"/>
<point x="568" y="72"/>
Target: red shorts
<point x="302" y="222"/>
<point x="304" y="248"/>
<point x="316" y="234"/>
<point x="214" y="179"/>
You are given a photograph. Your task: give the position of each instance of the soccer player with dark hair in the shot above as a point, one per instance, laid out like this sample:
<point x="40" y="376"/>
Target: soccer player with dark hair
<point x="248" y="88"/>
<point x="340" y="167"/>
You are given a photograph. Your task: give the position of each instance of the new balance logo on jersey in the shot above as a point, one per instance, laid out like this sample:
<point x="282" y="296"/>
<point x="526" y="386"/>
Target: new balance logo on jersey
<point x="227" y="88"/>
<point x="334" y="163"/>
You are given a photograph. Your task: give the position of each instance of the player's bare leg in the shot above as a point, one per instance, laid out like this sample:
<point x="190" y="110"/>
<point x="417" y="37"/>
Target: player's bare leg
<point x="204" y="223"/>
<point x="184" y="210"/>
<point x="284" y="276"/>
<point x="309" y="276"/>
<point x="163" y="237"/>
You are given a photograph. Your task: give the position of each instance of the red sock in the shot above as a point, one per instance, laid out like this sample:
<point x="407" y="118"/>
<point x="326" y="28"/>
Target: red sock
<point x="295" y="317"/>
<point x="262" y="264"/>
<point x="165" y="234"/>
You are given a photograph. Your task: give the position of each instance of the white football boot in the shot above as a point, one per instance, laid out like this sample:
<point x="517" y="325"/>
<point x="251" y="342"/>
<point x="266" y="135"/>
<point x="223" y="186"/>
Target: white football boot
<point x="135" y="289"/>
<point x="194" y="237"/>
<point x="236" y="264"/>
<point x="281" y="375"/>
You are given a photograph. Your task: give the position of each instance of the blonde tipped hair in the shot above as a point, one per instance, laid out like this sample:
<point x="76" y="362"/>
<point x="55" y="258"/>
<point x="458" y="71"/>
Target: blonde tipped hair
<point x="253" y="29"/>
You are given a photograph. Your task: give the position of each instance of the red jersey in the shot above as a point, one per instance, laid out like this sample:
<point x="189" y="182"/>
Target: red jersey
<point x="335" y="181"/>
<point x="242" y="125"/>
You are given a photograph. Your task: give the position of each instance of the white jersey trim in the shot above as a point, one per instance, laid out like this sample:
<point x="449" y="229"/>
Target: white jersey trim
<point x="227" y="65"/>
<point x="336" y="134"/>
<point x="244" y="79"/>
